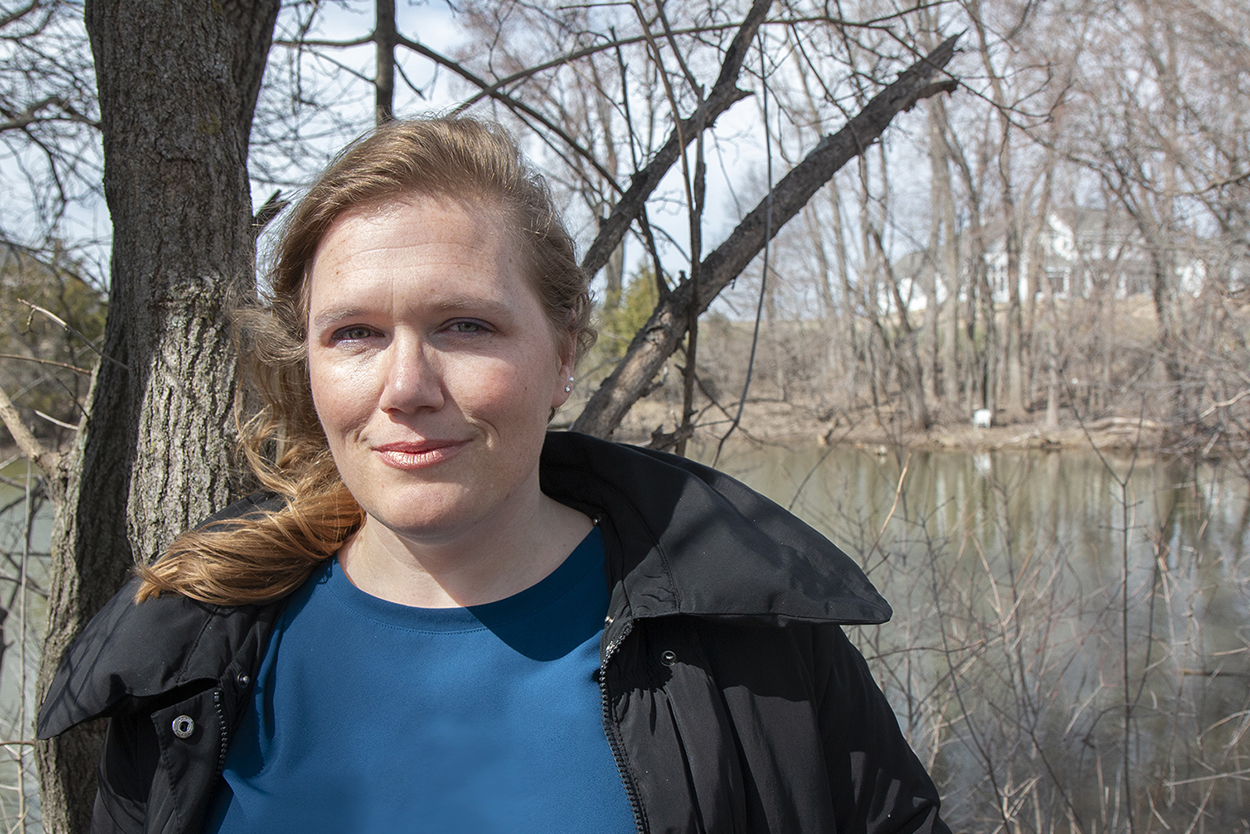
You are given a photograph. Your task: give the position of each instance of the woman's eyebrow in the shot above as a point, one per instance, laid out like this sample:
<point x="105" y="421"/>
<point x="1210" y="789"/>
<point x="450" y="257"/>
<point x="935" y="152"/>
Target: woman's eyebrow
<point x="472" y="303"/>
<point x="335" y="316"/>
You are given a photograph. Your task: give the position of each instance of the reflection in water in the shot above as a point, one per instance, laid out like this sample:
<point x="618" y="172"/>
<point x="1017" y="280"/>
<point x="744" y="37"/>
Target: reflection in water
<point x="1067" y="630"/>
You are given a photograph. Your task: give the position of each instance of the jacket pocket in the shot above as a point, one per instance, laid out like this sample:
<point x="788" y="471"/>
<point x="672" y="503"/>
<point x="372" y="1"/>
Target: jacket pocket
<point x="191" y="736"/>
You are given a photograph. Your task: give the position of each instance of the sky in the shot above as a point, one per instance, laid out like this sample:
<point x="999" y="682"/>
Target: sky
<point x="737" y="162"/>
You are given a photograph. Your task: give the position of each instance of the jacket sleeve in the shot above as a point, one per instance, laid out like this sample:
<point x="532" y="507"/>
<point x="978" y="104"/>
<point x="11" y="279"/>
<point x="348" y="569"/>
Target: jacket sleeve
<point x="879" y="785"/>
<point x="131" y="656"/>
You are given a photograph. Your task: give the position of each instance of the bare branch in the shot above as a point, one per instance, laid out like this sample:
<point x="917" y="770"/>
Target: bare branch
<point x="49" y="463"/>
<point x="67" y="326"/>
<point x="1214" y="407"/>
<point x="267" y="212"/>
<point x="662" y="334"/>
<point x="64" y="365"/>
<point x="18" y="14"/>
<point x="724" y="94"/>
<point x="300" y="44"/>
<point x="511" y="103"/>
<point x="30" y="114"/>
<point x="577" y="55"/>
<point x="55" y="421"/>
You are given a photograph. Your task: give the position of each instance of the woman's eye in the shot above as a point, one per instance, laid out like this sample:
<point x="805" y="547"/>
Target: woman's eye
<point x="467" y="327"/>
<point x="352" y="334"/>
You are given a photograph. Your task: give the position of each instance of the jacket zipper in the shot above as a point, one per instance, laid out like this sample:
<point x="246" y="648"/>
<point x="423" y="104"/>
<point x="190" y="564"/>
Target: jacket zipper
<point x="613" y="732"/>
<point x="222" y="731"/>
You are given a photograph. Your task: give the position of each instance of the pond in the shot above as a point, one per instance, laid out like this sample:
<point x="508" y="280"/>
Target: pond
<point x="1069" y="630"/>
<point x="25" y="531"/>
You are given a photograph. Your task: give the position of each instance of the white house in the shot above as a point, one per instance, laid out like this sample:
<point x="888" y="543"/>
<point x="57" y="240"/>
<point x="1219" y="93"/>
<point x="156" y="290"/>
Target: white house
<point x="1083" y="252"/>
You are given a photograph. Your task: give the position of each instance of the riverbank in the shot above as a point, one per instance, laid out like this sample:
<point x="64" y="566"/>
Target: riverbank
<point x="774" y="422"/>
<point x="781" y="423"/>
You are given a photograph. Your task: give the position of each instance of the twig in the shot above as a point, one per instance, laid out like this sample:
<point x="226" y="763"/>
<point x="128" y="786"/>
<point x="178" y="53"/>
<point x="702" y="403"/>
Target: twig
<point x="512" y="103"/>
<point x="1226" y="404"/>
<point x="1213" y="673"/>
<point x="1236" y="774"/>
<point x="68" y="327"/>
<point x="898" y="490"/>
<point x="768" y="223"/>
<point x="64" y="365"/>
<point x="52" y="419"/>
<point x="267" y="212"/>
<point x="723" y="95"/>
<point x="666" y="327"/>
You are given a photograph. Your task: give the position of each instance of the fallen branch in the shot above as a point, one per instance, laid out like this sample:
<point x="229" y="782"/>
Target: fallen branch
<point x="1123" y="424"/>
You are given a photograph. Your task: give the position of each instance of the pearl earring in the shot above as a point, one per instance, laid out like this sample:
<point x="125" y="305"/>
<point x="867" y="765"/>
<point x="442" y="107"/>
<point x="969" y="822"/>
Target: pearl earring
<point x="568" y="388"/>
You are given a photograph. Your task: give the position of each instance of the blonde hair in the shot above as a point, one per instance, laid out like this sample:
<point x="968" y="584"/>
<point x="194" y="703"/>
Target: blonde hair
<point x="265" y="555"/>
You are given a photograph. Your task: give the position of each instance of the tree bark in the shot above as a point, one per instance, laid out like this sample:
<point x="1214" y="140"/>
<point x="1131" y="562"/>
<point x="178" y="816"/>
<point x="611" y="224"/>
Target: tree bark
<point x="659" y="338"/>
<point x="177" y="85"/>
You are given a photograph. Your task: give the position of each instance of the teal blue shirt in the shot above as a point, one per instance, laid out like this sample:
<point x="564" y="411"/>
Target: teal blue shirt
<point x="368" y="716"/>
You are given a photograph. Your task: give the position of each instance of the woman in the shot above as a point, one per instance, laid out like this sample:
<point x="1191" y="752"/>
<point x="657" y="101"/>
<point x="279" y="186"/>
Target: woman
<point x="441" y="618"/>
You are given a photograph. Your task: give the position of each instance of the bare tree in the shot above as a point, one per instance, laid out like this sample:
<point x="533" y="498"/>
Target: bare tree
<point x="48" y="137"/>
<point x="663" y="333"/>
<point x="152" y="456"/>
<point x="1165" y="134"/>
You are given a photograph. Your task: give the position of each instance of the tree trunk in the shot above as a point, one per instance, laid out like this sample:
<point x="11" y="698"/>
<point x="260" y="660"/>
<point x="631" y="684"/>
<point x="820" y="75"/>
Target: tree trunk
<point x="939" y="181"/>
<point x="851" y="354"/>
<point x="944" y="208"/>
<point x="177" y="85"/>
<point x="1014" y="342"/>
<point x="989" y="357"/>
<point x="385" y="37"/>
<point x="1042" y="286"/>
<point x="833" y="344"/>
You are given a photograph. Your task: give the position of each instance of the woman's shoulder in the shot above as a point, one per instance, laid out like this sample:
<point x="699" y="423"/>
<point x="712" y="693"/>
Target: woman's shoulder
<point x="697" y="541"/>
<point x="258" y="503"/>
<point x="131" y="653"/>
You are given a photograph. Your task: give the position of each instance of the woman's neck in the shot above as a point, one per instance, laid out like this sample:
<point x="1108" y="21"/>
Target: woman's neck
<point x="484" y="564"/>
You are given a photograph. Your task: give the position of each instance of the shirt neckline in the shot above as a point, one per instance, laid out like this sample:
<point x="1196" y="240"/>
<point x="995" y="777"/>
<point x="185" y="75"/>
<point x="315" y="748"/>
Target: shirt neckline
<point x="587" y="556"/>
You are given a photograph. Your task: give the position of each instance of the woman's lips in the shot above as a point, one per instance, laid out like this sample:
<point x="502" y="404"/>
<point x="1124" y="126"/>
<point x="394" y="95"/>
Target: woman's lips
<point x="408" y="455"/>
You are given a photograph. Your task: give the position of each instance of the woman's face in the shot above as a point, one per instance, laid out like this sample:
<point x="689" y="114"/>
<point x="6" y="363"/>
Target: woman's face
<point x="432" y="364"/>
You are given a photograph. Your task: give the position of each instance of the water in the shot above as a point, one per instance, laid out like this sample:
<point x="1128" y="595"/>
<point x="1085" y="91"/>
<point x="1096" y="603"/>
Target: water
<point x="25" y="530"/>
<point x="1063" y="625"/>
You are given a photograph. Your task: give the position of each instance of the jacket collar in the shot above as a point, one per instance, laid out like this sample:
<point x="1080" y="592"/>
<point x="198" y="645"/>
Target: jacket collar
<point x="696" y="541"/>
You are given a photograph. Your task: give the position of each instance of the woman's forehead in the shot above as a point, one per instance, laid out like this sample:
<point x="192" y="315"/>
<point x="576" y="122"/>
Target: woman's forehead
<point x="418" y="253"/>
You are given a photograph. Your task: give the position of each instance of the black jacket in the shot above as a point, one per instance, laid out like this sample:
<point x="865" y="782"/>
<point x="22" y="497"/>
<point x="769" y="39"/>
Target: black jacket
<point x="732" y="699"/>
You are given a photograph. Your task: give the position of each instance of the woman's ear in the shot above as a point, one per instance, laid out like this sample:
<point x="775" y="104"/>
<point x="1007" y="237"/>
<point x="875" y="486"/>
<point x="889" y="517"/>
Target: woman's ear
<point x="564" y="383"/>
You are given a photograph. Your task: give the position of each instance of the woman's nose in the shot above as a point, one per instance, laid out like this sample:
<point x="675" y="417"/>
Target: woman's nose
<point x="412" y="381"/>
